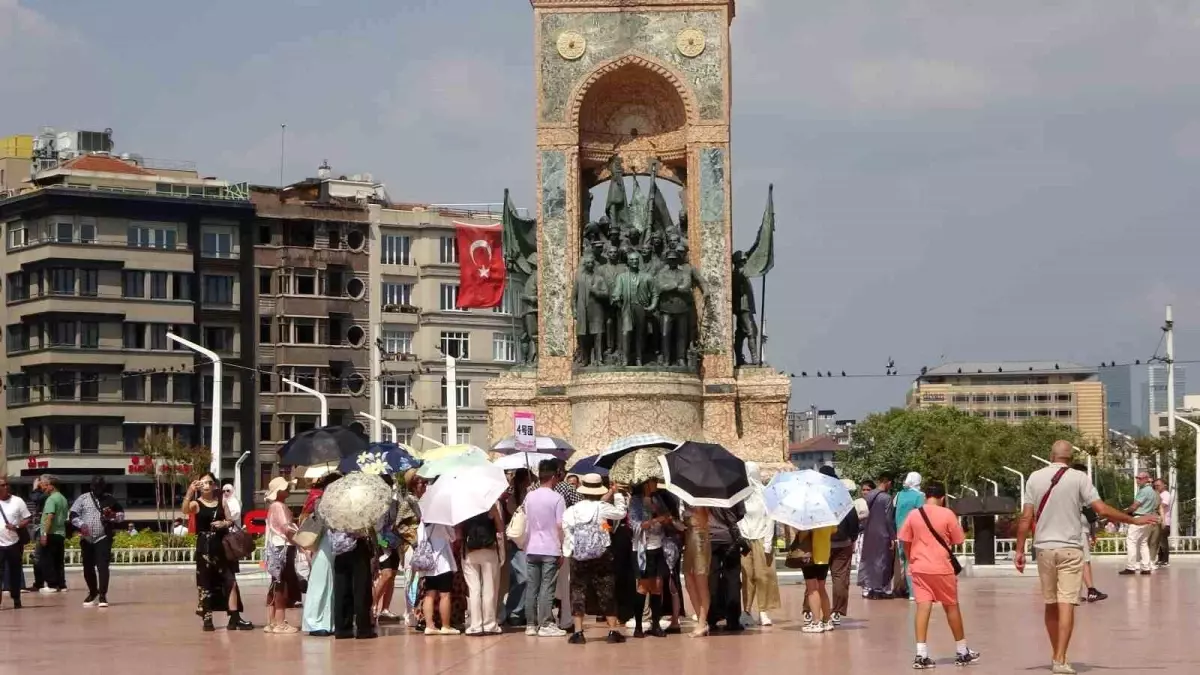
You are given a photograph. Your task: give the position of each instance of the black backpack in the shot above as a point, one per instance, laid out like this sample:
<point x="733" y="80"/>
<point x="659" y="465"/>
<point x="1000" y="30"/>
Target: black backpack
<point x="480" y="532"/>
<point x="849" y="528"/>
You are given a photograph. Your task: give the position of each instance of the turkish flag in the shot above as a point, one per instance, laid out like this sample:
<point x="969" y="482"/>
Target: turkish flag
<point x="481" y="272"/>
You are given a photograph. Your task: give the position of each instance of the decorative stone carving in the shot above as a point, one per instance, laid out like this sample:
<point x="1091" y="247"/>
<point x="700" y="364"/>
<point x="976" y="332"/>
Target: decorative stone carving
<point x="690" y="42"/>
<point x="553" y="251"/>
<point x="714" y="250"/>
<point x="571" y="45"/>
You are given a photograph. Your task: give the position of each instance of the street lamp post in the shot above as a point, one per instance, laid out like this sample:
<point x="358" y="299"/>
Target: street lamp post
<point x="214" y="444"/>
<point x="973" y="490"/>
<point x="1175" y="497"/>
<point x="1076" y="448"/>
<point x="1043" y="460"/>
<point x="1021" y="477"/>
<point x="376" y="422"/>
<point x="312" y="392"/>
<point x="995" y="485"/>
<point x="1129" y="445"/>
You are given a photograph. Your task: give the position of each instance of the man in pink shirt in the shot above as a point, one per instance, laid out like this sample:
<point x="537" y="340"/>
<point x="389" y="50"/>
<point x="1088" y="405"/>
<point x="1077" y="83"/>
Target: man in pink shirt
<point x="544" y="509"/>
<point x="928" y="534"/>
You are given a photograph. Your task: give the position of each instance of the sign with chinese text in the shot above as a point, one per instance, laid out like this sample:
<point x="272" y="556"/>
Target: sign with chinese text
<point x="526" y="431"/>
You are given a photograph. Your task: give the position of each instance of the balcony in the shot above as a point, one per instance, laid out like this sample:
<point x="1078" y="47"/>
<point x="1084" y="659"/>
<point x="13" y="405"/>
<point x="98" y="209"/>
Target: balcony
<point x="107" y="406"/>
<point x="106" y="249"/>
<point x="130" y="309"/>
<point x="65" y="356"/>
<point x="315" y="258"/>
<point x="401" y="315"/>
<point x="319" y="305"/>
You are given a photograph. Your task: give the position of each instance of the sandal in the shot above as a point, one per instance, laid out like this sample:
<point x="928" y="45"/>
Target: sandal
<point x="269" y="628"/>
<point x="286" y="629"/>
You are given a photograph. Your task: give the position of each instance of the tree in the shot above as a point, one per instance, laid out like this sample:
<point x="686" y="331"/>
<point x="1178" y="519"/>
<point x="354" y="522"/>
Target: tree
<point x="175" y="464"/>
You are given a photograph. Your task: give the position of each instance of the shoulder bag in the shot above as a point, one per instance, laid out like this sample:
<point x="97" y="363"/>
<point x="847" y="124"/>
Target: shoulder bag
<point x="1042" y="505"/>
<point x="23" y="536"/>
<point x="310" y="533"/>
<point x="958" y="568"/>
<point x="800" y="551"/>
<point x="517" y="530"/>
<point x="237" y="542"/>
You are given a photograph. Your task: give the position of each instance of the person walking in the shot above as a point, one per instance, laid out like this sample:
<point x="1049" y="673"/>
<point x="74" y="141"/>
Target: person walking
<point x="14" y="516"/>
<point x="1055" y="495"/>
<point x="483" y="542"/>
<point x="909" y="498"/>
<point x="841" y="561"/>
<point x="544" y="508"/>
<point x="928" y="533"/>
<point x="52" y="539"/>
<point x="586" y="540"/>
<point x="36" y="499"/>
<point x="96" y="515"/>
<point x="809" y="550"/>
<point x="1166" y="502"/>
<point x="1088" y="520"/>
<point x="1137" y="538"/>
<point x="879" y="542"/>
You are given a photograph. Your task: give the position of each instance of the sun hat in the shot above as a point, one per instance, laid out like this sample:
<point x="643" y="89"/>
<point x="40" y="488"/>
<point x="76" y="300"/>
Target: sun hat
<point x="278" y="483"/>
<point x="592" y="485"/>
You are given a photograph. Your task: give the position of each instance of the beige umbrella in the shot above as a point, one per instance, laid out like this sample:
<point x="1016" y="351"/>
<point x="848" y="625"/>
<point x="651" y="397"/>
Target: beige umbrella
<point x="638" y="466"/>
<point x="355" y="502"/>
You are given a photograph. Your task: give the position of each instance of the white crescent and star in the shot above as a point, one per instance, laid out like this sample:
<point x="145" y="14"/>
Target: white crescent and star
<point x="484" y="270"/>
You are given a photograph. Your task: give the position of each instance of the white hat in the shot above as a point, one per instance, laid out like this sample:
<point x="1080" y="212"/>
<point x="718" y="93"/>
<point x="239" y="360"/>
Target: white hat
<point x="592" y="485"/>
<point x="275" y="486"/>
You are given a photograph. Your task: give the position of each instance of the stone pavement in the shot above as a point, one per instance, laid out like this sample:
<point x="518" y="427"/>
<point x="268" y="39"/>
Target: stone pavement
<point x="151" y="628"/>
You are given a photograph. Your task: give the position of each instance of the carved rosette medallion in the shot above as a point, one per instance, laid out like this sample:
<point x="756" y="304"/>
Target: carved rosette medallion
<point x="571" y="45"/>
<point x="690" y="42"/>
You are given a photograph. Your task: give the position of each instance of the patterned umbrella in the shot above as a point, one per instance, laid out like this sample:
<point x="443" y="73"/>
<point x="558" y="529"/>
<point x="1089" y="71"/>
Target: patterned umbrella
<point x="437" y="467"/>
<point x="638" y="466"/>
<point x="627" y="444"/>
<point x="706" y="474"/>
<point x="549" y="445"/>
<point x="381" y="458"/>
<point x="355" y="503"/>
<point x="522" y="460"/>
<point x="462" y="494"/>
<point x="807" y="500"/>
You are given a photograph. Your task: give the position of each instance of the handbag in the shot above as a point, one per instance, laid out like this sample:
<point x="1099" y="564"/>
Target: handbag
<point x="424" y="559"/>
<point x="958" y="568"/>
<point x="310" y="534"/>
<point x="23" y="536"/>
<point x="800" y="553"/>
<point x="518" y="530"/>
<point x="237" y="542"/>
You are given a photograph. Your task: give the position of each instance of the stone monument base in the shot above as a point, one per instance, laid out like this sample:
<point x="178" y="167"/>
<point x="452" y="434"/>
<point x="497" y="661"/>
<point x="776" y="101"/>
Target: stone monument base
<point x="746" y="413"/>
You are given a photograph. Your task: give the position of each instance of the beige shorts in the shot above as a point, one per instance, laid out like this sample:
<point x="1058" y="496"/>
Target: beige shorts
<point x="1061" y="573"/>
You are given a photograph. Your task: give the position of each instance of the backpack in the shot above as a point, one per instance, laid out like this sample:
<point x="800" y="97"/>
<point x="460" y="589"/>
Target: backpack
<point x="849" y="528"/>
<point x="480" y="532"/>
<point x="589" y="540"/>
<point x="424" y="558"/>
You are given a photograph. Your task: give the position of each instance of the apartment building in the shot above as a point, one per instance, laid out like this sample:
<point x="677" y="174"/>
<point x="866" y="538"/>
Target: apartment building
<point x="414" y="272"/>
<point x="103" y="257"/>
<point x="1014" y="392"/>
<point x="313" y="292"/>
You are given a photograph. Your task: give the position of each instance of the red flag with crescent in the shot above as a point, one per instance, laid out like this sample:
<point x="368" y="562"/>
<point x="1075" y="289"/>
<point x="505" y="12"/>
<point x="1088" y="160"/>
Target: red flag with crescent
<point x="481" y="272"/>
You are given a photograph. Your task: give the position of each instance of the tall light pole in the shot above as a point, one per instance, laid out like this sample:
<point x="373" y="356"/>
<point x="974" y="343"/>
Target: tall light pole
<point x="376" y="423"/>
<point x="1130" y="444"/>
<point x="451" y="402"/>
<point x="995" y="485"/>
<point x="214" y="444"/>
<point x="973" y="490"/>
<point x="1076" y="448"/>
<point x="1173" y="480"/>
<point x="1021" y="477"/>
<point x="1043" y="460"/>
<point x="1175" y="495"/>
<point x="376" y="415"/>
<point x="312" y="392"/>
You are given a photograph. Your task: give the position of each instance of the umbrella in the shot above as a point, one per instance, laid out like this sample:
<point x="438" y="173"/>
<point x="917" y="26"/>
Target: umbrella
<point x="445" y="451"/>
<point x="355" y="503"/>
<point x="807" y="500"/>
<point x="523" y="460"/>
<point x="588" y="465"/>
<point x="321" y="446"/>
<point x="438" y="467"/>
<point x="638" y="466"/>
<point x="706" y="474"/>
<point x="550" y="445"/>
<point x="627" y="444"/>
<point x="464" y="493"/>
<point x="380" y="458"/>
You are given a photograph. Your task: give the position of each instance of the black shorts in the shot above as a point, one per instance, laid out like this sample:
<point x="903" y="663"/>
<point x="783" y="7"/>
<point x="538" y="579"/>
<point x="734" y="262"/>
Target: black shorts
<point x="656" y="564"/>
<point x="392" y="561"/>
<point x="815" y="572"/>
<point x="442" y="583"/>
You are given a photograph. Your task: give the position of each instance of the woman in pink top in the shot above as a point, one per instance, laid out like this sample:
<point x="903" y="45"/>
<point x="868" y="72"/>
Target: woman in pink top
<point x="927" y="534"/>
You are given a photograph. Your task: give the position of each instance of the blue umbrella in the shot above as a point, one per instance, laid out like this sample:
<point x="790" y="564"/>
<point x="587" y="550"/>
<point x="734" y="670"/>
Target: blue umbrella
<point x="588" y="465"/>
<point x="380" y="458"/>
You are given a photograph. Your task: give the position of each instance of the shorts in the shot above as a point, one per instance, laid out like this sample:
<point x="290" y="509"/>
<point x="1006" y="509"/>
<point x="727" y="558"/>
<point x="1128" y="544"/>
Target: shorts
<point x="1061" y="573"/>
<point x="815" y="572"/>
<point x="392" y="561"/>
<point x="593" y="586"/>
<point x="656" y="565"/>
<point x="442" y="583"/>
<point x="935" y="588"/>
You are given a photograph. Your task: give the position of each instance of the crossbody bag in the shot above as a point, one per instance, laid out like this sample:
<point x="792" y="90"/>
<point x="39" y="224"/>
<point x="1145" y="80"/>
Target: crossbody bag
<point x="958" y="568"/>
<point x="1046" y="497"/>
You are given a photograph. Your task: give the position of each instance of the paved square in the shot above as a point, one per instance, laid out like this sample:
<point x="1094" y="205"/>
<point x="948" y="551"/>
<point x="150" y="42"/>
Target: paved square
<point x="1146" y="626"/>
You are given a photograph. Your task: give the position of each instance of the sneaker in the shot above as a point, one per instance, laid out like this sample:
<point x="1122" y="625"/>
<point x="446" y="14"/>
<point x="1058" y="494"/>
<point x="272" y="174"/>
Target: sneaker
<point x="966" y="659"/>
<point x="1061" y="669"/>
<point x="836" y="619"/>
<point x="614" y="638"/>
<point x="90" y="600"/>
<point x="494" y="630"/>
<point x="551" y="631"/>
<point x="387" y="617"/>
<point x="747" y="619"/>
<point x="827" y="627"/>
<point x="474" y="631"/>
<point x="531" y="631"/>
<point x="764" y="620"/>
<point x="1095" y="595"/>
<point x="1127" y="573"/>
<point x="923" y="663"/>
<point x="816" y="627"/>
<point x="808" y="618"/>
<point x="631" y="624"/>
<point x="103" y="602"/>
<point x="1145" y="573"/>
<point x="430" y="630"/>
<point x="577" y="639"/>
<point x="46" y="590"/>
<point x="61" y="590"/>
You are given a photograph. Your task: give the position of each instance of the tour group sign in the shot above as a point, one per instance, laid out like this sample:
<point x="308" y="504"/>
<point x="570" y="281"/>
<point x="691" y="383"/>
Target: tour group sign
<point x="525" y="431"/>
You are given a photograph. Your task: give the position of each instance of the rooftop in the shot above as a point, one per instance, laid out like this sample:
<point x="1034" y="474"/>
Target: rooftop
<point x="1014" y="367"/>
<point x="104" y="164"/>
<point x="817" y="444"/>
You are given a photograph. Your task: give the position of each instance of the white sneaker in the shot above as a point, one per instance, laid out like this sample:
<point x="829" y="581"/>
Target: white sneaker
<point x="551" y="632"/>
<point x="46" y="590"/>
<point x="631" y="624"/>
<point x="836" y="619"/>
<point x="813" y="628"/>
<point x="764" y="620"/>
<point x="827" y="627"/>
<point x="531" y="631"/>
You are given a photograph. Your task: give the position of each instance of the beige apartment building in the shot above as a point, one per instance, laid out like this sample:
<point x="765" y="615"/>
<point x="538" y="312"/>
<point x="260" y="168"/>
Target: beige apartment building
<point x="1017" y="391"/>
<point x="414" y="276"/>
<point x="103" y="257"/>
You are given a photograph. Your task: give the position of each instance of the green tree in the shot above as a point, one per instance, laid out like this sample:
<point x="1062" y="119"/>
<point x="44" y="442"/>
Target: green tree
<point x="175" y="465"/>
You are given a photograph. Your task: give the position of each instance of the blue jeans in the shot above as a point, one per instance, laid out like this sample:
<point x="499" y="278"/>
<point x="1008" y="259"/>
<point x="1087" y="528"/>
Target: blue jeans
<point x="540" y="585"/>
<point x="514" y="604"/>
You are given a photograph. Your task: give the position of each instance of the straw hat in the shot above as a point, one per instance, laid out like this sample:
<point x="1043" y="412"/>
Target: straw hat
<point x="275" y="486"/>
<point x="592" y="485"/>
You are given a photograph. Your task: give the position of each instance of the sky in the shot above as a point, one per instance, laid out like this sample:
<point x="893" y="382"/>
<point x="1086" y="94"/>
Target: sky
<point x="970" y="180"/>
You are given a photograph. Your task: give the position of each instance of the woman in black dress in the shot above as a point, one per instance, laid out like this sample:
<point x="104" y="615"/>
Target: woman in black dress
<point x="216" y="582"/>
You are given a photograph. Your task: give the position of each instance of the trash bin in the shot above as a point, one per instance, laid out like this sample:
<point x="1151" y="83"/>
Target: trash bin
<point x="983" y="511"/>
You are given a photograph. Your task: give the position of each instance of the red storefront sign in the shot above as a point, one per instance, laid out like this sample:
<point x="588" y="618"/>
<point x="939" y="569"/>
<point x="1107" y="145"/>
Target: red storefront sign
<point x="35" y="463"/>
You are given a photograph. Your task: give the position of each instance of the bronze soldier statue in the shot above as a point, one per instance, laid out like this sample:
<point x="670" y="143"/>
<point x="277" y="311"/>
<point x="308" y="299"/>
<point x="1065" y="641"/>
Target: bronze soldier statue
<point x="591" y="308"/>
<point x="743" y="312"/>
<point x="529" y="318"/>
<point x="676" y="306"/>
<point x="635" y="296"/>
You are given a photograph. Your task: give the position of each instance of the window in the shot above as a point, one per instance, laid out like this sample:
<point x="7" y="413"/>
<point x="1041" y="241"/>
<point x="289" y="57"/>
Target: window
<point x="158" y="285"/>
<point x="961" y="398"/>
<point x="62" y="385"/>
<point x="264" y="282"/>
<point x="983" y="413"/>
<point x="219" y="339"/>
<point x="227" y="382"/>
<point x="18" y="286"/>
<point x="396" y="294"/>
<point x="1001" y="398"/>
<point x="87" y="230"/>
<point x="135" y="336"/>
<point x="89" y="386"/>
<point x="217" y="289"/>
<point x="264" y="235"/>
<point x="397" y="341"/>
<point x="89" y="335"/>
<point x="160" y="384"/>
<point x="18" y="388"/>
<point x="1021" y="398"/>
<point x="216" y="244"/>
<point x="133" y="284"/>
<point x="449" y="297"/>
<point x="979" y="398"/>
<point x="264" y="428"/>
<point x="64" y="232"/>
<point x="464" y="435"/>
<point x="181" y="387"/>
<point x="296" y="424"/>
<point x="1063" y="413"/>
<point x="509" y="301"/>
<point x="1062" y="398"/>
<point x="62" y="438"/>
<point x="61" y="333"/>
<point x="396" y="249"/>
<point x="305" y="282"/>
<point x="395" y="393"/>
<point x="89" y="283"/>
<point x="141" y="235"/>
<point x="134" y="433"/>
<point x="264" y="330"/>
<point x="449" y="251"/>
<point x="403" y="435"/>
<point x="264" y="381"/>
<point x="1041" y="412"/>
<point x="62" y="280"/>
<point x="89" y="438"/>
<point x="1021" y="414"/>
<point x="304" y="331"/>
<point x="1001" y="414"/>
<point x="17" y="339"/>
<point x="158" y="336"/>
<point x="182" y="286"/>
<point x="456" y="344"/>
<point x="18" y="236"/>
<point x="1042" y="398"/>
<point x="463" y="399"/>
<point x="504" y="347"/>
<point x="133" y="388"/>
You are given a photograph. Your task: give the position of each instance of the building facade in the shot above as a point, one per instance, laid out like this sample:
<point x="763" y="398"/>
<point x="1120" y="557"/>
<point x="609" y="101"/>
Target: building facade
<point x="1014" y="392"/>
<point x="103" y="258"/>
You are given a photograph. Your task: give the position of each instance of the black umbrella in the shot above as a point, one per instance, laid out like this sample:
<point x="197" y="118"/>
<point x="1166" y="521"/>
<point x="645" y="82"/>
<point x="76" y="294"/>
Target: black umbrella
<point x="706" y="474"/>
<point x="322" y="446"/>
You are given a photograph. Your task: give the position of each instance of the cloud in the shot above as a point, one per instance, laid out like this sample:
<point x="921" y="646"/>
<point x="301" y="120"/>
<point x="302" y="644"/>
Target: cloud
<point x="915" y="84"/>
